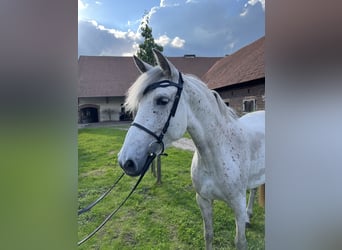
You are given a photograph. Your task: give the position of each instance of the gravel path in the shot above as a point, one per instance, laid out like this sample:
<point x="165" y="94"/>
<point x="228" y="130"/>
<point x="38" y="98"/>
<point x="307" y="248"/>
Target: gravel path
<point x="184" y="143"/>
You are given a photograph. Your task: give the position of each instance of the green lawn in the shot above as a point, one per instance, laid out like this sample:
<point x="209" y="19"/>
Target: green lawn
<point x="156" y="216"/>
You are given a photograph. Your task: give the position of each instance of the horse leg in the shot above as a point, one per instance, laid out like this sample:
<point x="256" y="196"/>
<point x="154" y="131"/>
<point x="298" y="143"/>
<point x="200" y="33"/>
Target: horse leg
<point x="207" y="215"/>
<point x="239" y="207"/>
<point x="250" y="206"/>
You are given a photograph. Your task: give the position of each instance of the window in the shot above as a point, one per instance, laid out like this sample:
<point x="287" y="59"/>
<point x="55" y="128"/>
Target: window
<point x="226" y="101"/>
<point x="249" y="105"/>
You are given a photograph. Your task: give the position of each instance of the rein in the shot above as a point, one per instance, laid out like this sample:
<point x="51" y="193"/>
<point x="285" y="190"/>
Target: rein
<point x="159" y="138"/>
<point x="148" y="162"/>
<point x="90" y="206"/>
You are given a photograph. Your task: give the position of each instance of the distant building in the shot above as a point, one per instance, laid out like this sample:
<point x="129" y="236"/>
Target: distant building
<point x="240" y="78"/>
<point x="104" y="81"/>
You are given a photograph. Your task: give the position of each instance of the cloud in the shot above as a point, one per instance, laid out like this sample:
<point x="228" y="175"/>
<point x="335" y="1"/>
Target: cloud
<point x="201" y="27"/>
<point x="82" y="5"/>
<point x="163" y="40"/>
<point x="168" y="3"/>
<point x="177" y="42"/>
<point x="95" y="39"/>
<point x="117" y="33"/>
<point x="210" y="28"/>
<point x="252" y="3"/>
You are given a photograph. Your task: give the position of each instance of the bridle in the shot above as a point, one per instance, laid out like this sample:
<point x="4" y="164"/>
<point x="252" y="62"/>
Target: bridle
<point x="157" y="147"/>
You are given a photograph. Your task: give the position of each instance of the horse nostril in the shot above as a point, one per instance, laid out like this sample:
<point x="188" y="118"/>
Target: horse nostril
<point x="130" y="167"/>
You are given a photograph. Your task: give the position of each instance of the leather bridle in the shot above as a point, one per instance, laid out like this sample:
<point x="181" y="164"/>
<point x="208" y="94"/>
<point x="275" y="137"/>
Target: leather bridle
<point x="157" y="147"/>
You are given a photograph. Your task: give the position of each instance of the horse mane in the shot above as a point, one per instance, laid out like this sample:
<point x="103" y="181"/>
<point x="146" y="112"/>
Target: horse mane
<point x="226" y="111"/>
<point x="135" y="92"/>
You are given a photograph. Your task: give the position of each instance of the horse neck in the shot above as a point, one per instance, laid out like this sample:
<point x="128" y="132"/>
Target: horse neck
<point x="208" y="127"/>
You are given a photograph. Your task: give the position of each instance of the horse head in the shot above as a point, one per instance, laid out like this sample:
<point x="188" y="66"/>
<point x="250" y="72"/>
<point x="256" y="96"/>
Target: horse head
<point x="160" y="113"/>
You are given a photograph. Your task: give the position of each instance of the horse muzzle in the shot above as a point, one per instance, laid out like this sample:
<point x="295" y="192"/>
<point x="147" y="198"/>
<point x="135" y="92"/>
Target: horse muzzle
<point x="130" y="167"/>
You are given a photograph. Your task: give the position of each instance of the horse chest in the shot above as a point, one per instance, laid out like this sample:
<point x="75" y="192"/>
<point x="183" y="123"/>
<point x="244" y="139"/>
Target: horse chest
<point x="206" y="187"/>
<point x="211" y="184"/>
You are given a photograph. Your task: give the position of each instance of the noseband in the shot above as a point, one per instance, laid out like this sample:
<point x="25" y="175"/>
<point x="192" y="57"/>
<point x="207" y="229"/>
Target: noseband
<point x="157" y="147"/>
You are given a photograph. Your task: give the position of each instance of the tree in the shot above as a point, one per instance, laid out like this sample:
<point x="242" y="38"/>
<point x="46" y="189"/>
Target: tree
<point x="145" y="49"/>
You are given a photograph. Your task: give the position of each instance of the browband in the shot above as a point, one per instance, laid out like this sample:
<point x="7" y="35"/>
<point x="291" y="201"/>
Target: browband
<point x="164" y="84"/>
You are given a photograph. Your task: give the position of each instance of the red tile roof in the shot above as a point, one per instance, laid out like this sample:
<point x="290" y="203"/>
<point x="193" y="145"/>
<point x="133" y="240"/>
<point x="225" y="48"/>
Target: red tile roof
<point x="244" y="65"/>
<point x="101" y="76"/>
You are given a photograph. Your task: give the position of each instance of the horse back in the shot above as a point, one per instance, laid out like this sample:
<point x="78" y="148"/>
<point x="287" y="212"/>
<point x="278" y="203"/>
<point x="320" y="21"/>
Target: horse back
<point x="254" y="121"/>
<point x="255" y="124"/>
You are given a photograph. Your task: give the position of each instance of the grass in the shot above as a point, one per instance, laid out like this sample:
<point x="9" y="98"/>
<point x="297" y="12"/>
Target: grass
<point x="156" y="216"/>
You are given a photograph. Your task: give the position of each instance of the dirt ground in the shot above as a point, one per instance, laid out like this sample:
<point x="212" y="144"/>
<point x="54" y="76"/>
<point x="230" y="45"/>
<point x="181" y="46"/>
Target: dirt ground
<point x="184" y="143"/>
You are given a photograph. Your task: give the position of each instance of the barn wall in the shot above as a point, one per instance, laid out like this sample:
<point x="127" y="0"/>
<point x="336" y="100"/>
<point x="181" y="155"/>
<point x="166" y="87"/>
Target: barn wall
<point x="236" y="95"/>
<point x="113" y="104"/>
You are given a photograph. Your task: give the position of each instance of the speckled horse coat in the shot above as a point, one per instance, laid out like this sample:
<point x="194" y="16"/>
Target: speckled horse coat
<point x="230" y="151"/>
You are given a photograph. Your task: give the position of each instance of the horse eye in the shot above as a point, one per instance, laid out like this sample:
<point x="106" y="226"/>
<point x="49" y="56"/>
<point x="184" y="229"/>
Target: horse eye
<point x="162" y="101"/>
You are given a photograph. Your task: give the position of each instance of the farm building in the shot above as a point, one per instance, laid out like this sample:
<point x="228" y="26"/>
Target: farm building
<point x="240" y="78"/>
<point x="104" y="81"/>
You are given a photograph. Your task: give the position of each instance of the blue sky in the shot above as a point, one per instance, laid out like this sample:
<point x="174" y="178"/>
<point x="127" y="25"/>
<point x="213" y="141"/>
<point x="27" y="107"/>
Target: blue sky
<point x="201" y="27"/>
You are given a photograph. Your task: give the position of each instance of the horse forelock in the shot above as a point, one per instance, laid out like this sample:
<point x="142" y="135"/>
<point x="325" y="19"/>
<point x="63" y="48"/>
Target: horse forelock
<point x="135" y="92"/>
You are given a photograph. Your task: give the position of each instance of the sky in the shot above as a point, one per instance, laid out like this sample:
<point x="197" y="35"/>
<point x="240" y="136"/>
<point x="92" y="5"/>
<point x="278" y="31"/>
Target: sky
<point x="207" y="28"/>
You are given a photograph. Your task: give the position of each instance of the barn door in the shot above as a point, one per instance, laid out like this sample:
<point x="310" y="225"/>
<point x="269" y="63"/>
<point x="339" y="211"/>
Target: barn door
<point x="89" y="115"/>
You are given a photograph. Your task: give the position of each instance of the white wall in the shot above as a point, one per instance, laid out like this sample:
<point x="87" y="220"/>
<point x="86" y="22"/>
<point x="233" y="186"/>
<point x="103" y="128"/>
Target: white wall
<point x="112" y="103"/>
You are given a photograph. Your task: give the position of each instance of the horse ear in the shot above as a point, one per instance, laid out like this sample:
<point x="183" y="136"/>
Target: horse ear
<point x="168" y="68"/>
<point x="141" y="65"/>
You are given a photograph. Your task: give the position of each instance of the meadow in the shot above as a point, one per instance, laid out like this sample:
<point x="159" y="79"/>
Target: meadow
<point x="156" y="216"/>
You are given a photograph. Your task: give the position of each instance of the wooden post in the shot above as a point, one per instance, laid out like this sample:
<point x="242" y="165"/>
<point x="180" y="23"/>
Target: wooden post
<point x="153" y="168"/>
<point x="156" y="171"/>
<point x="159" y="170"/>
<point x="262" y="195"/>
